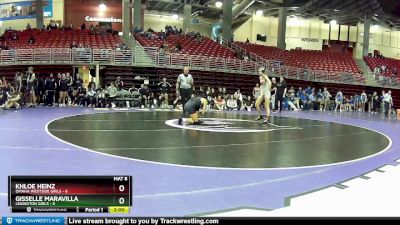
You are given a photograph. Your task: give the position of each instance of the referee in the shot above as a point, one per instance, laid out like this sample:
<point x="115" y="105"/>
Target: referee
<point x="184" y="87"/>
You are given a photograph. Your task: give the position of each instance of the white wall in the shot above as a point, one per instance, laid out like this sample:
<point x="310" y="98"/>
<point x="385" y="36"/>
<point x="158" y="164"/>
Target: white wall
<point x="383" y="39"/>
<point x="20" y="24"/>
<point x="298" y="33"/>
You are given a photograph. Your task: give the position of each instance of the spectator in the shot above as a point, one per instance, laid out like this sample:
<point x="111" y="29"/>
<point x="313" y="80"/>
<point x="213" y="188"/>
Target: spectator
<point x="247" y="40"/>
<point x="32" y="40"/>
<point x="364" y="99"/>
<point x="326" y="98"/>
<point x="239" y="98"/>
<point x="92" y="84"/>
<point x="164" y="88"/>
<point x="112" y="92"/>
<point x="219" y="103"/>
<point x="232" y="103"/>
<point x="144" y="96"/>
<point x="92" y="30"/>
<point x="339" y="100"/>
<point x="281" y="88"/>
<point x="83" y="26"/>
<point x="248" y="103"/>
<point x="74" y="45"/>
<point x="14" y="36"/>
<point x="388" y="103"/>
<point x="50" y="88"/>
<point x="28" y="27"/>
<point x="178" y="46"/>
<point x="375" y="102"/>
<point x="119" y="84"/>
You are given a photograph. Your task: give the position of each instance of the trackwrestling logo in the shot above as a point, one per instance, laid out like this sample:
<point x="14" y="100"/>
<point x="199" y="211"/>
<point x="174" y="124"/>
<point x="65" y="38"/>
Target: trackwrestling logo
<point x="228" y="125"/>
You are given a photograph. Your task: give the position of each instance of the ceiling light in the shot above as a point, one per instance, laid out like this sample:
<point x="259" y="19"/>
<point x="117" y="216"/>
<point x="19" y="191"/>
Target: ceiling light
<point x="218" y="4"/>
<point x="259" y="12"/>
<point x="175" y="16"/>
<point x="102" y="7"/>
<point x="333" y="22"/>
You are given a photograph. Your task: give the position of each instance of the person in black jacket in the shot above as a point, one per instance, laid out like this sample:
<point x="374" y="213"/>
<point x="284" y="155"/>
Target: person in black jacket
<point x="50" y="89"/>
<point x="164" y="88"/>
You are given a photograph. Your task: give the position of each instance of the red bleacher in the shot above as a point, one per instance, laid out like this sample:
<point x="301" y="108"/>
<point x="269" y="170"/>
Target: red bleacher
<point x="315" y="60"/>
<point x="190" y="46"/>
<point x="378" y="62"/>
<point x="61" y="39"/>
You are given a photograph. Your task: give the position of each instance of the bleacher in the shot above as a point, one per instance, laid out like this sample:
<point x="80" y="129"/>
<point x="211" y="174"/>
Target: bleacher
<point x="388" y="62"/>
<point x="58" y="38"/>
<point x="190" y="46"/>
<point x="335" y="63"/>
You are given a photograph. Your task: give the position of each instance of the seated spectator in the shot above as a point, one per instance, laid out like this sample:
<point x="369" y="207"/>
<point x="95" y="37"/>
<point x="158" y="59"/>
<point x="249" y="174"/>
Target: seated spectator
<point x="31" y="40"/>
<point x="178" y="46"/>
<point x="90" y="97"/>
<point x="144" y="96"/>
<point x="247" y="40"/>
<point x="219" y="103"/>
<point x="101" y="98"/>
<point x="119" y="84"/>
<point x="150" y="30"/>
<point x="232" y="103"/>
<point x="162" y="35"/>
<point x="239" y="98"/>
<point x="53" y="25"/>
<point x="83" y="26"/>
<point x="14" y="36"/>
<point x="81" y="96"/>
<point x="28" y="27"/>
<point x="137" y="30"/>
<point x="112" y="94"/>
<point x="74" y="45"/>
<point x="248" y="103"/>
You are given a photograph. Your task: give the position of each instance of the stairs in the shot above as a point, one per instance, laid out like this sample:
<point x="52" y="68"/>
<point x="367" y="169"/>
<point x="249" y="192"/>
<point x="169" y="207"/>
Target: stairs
<point x="368" y="74"/>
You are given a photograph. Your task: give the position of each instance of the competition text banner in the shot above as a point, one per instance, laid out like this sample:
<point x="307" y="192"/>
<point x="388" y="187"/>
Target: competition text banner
<point x="69" y="193"/>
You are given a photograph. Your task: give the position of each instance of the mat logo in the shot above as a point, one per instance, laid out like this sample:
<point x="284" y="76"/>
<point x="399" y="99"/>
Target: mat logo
<point x="9" y="220"/>
<point x="228" y="125"/>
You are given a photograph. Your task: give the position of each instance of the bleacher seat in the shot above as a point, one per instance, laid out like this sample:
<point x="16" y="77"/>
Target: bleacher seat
<point x="190" y="46"/>
<point x="335" y="63"/>
<point x="61" y="39"/>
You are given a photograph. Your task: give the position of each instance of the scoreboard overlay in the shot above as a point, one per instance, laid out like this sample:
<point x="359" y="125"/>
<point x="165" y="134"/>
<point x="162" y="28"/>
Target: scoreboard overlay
<point x="75" y="194"/>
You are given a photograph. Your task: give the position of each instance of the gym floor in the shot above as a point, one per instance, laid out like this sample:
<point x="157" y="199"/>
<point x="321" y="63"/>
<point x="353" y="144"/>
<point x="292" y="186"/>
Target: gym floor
<point x="228" y="162"/>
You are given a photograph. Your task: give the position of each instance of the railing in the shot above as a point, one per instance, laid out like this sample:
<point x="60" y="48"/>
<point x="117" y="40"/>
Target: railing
<point x="150" y="56"/>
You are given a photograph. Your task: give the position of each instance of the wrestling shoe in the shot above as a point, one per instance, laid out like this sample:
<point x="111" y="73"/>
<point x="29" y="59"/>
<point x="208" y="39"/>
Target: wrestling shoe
<point x="259" y="118"/>
<point x="266" y="121"/>
<point x="180" y="121"/>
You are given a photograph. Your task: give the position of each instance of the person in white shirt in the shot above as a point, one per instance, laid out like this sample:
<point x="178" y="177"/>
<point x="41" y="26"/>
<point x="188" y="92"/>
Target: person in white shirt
<point x="364" y="99"/>
<point x="327" y="96"/>
<point x="388" y="103"/>
<point x="239" y="98"/>
<point x="231" y="104"/>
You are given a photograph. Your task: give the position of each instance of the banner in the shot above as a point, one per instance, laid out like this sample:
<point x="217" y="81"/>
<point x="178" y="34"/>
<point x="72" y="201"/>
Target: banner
<point x="24" y="10"/>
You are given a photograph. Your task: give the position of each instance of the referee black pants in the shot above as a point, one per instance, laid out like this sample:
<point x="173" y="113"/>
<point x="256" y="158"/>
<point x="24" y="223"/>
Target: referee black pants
<point x="186" y="95"/>
<point x="386" y="109"/>
<point x="280" y="99"/>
